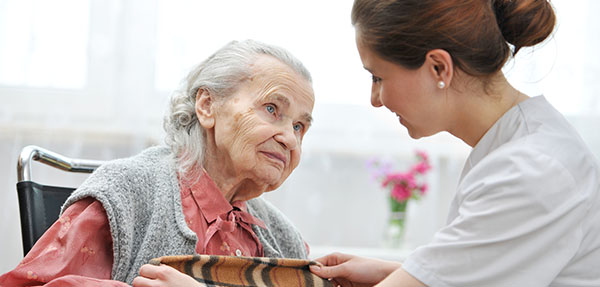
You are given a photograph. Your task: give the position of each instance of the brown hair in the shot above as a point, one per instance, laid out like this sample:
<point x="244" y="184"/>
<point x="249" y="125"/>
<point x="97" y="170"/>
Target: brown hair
<point x="476" y="33"/>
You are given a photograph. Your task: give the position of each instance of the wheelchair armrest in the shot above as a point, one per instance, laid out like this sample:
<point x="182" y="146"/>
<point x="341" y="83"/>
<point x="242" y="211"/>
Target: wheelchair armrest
<point x="53" y="159"/>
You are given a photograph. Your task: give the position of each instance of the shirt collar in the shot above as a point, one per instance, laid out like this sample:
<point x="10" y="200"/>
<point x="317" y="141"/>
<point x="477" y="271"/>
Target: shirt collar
<point x="210" y="200"/>
<point x="509" y="126"/>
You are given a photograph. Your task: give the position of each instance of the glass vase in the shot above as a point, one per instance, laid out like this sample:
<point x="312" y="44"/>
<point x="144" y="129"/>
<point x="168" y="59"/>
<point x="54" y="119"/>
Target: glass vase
<point x="394" y="233"/>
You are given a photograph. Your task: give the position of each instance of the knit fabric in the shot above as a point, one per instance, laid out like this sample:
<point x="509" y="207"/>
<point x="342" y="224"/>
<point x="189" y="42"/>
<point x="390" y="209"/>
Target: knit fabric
<point x="232" y="271"/>
<point x="142" y="201"/>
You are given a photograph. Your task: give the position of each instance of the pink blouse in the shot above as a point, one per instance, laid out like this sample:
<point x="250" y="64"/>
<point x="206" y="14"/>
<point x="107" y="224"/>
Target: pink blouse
<point x="77" y="249"/>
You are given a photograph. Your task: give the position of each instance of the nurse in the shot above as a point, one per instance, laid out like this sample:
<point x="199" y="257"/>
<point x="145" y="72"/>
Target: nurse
<point x="527" y="208"/>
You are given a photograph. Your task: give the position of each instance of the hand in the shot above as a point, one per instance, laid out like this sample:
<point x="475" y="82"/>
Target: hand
<point x="350" y="270"/>
<point x="163" y="275"/>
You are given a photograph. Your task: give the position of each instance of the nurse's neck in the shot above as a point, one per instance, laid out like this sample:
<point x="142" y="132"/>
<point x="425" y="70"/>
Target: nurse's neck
<point x="480" y="104"/>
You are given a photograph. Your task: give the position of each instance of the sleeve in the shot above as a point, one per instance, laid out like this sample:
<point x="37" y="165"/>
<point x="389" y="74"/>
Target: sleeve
<point x="75" y="251"/>
<point x="517" y="224"/>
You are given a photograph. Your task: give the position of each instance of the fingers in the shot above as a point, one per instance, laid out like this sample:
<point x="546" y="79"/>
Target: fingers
<point x="158" y="272"/>
<point x="142" y="282"/>
<point x="148" y="274"/>
<point x="325" y="271"/>
<point x="319" y="271"/>
<point x="330" y="265"/>
<point x="334" y="259"/>
<point x="150" y="271"/>
<point x="163" y="275"/>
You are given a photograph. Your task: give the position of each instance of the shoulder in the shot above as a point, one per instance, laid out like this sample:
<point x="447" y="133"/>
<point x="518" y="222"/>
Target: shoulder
<point x="529" y="173"/>
<point x="516" y="164"/>
<point x="139" y="163"/>
<point x="551" y="137"/>
<point x="122" y="179"/>
<point x="134" y="169"/>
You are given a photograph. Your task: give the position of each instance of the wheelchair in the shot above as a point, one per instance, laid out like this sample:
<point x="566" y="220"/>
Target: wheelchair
<point x="39" y="205"/>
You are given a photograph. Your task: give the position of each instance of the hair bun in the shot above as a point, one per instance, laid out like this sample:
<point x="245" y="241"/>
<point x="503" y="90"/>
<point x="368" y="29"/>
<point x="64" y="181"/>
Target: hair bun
<point x="524" y="23"/>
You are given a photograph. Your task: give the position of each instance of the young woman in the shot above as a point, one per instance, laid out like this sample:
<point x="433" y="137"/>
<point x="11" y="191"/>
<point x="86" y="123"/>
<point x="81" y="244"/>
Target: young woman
<point x="527" y="208"/>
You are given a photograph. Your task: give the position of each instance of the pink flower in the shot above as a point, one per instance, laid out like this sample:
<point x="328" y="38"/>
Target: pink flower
<point x="403" y="185"/>
<point x="421" y="167"/>
<point x="424" y="188"/>
<point x="422" y="155"/>
<point x="410" y="181"/>
<point x="406" y="179"/>
<point x="400" y="193"/>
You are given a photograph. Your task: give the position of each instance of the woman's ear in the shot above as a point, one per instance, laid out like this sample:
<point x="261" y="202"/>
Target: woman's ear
<point x="205" y="109"/>
<point x="441" y="67"/>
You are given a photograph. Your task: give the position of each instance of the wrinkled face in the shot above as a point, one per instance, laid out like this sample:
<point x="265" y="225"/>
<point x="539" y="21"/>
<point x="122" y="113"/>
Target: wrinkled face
<point x="258" y="131"/>
<point x="407" y="93"/>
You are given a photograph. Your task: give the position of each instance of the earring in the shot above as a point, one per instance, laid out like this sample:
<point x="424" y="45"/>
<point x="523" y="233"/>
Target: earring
<point x="441" y="84"/>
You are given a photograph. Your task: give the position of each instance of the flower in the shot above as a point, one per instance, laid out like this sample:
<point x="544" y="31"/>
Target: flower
<point x="402" y="185"/>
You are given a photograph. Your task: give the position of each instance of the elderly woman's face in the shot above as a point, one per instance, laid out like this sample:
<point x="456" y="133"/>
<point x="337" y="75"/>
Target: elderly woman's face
<point x="258" y="131"/>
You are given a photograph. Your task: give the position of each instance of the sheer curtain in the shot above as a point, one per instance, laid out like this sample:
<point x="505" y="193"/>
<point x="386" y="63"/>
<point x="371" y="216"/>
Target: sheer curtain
<point x="91" y="78"/>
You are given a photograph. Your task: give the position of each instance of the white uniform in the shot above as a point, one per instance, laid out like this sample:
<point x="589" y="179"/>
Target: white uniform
<point x="527" y="209"/>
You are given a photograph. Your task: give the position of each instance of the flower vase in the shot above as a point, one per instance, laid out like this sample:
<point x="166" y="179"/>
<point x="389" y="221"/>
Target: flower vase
<point x="394" y="234"/>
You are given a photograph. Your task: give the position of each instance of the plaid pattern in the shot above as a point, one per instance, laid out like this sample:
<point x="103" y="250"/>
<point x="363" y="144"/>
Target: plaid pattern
<point x="232" y="271"/>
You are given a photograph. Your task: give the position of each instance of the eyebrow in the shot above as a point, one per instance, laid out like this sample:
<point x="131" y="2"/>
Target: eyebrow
<point x="279" y="98"/>
<point x="308" y="118"/>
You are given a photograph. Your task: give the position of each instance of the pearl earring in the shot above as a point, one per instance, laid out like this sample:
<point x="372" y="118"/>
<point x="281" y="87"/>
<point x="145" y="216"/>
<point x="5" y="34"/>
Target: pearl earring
<point x="441" y="84"/>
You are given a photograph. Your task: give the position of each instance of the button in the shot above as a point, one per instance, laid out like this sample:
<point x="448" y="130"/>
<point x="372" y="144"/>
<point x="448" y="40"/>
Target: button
<point x="238" y="252"/>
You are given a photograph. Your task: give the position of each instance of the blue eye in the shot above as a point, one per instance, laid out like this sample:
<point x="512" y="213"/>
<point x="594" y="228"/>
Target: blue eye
<point x="298" y="127"/>
<point x="270" y="109"/>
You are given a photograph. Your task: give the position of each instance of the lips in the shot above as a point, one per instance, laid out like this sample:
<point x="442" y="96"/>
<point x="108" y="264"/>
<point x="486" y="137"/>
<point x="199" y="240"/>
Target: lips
<point x="276" y="156"/>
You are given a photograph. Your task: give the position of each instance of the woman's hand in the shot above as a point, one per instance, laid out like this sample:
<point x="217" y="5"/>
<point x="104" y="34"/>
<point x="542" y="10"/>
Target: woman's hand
<point x="350" y="270"/>
<point x="163" y="275"/>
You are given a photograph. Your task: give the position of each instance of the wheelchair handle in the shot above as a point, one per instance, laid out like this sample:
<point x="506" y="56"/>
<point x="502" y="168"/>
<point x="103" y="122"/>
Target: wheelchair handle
<point x="53" y="159"/>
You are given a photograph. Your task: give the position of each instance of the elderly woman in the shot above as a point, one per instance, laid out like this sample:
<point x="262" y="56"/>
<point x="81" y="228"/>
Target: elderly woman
<point x="233" y="133"/>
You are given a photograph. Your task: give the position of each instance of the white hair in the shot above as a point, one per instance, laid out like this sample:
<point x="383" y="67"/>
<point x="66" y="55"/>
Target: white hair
<point x="220" y="75"/>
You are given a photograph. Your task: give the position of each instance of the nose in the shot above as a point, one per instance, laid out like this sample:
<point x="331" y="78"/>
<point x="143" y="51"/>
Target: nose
<point x="375" y="98"/>
<point x="287" y="137"/>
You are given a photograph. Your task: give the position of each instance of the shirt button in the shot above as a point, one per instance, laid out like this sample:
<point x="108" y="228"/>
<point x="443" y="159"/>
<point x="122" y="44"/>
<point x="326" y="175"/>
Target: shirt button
<point x="238" y="252"/>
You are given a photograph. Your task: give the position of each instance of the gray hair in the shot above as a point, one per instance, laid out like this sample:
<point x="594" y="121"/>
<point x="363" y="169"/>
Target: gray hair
<point x="220" y="75"/>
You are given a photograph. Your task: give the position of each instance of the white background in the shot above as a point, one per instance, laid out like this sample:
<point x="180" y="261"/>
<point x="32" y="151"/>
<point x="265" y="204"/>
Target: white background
<point x="91" y="79"/>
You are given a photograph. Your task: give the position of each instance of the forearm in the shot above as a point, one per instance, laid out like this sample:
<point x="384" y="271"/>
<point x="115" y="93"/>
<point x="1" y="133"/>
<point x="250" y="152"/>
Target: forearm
<point x="76" y="281"/>
<point x="75" y="251"/>
<point x="387" y="268"/>
<point x="23" y="277"/>
<point x="400" y="277"/>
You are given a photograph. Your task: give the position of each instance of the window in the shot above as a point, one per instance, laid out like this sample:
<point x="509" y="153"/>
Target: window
<point x="565" y="68"/>
<point x="44" y="43"/>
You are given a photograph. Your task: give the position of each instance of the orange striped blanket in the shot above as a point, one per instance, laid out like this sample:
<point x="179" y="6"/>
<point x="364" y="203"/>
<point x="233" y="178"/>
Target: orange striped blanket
<point x="233" y="271"/>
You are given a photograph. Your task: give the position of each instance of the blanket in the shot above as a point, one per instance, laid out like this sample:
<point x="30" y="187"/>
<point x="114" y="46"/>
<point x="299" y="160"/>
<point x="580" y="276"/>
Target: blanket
<point x="233" y="271"/>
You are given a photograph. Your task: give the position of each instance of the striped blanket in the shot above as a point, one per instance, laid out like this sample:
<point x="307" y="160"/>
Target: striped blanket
<point x="233" y="271"/>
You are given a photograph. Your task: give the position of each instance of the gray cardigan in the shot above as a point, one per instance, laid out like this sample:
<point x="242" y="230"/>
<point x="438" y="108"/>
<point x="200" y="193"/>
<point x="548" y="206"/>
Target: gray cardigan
<point x="142" y="200"/>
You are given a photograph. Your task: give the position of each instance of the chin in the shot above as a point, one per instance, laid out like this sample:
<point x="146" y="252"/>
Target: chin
<point x="272" y="187"/>
<point x="418" y="135"/>
<point x="414" y="134"/>
<point x="272" y="180"/>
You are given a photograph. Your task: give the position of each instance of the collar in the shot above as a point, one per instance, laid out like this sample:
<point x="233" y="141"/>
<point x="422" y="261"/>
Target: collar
<point x="509" y="126"/>
<point x="211" y="201"/>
